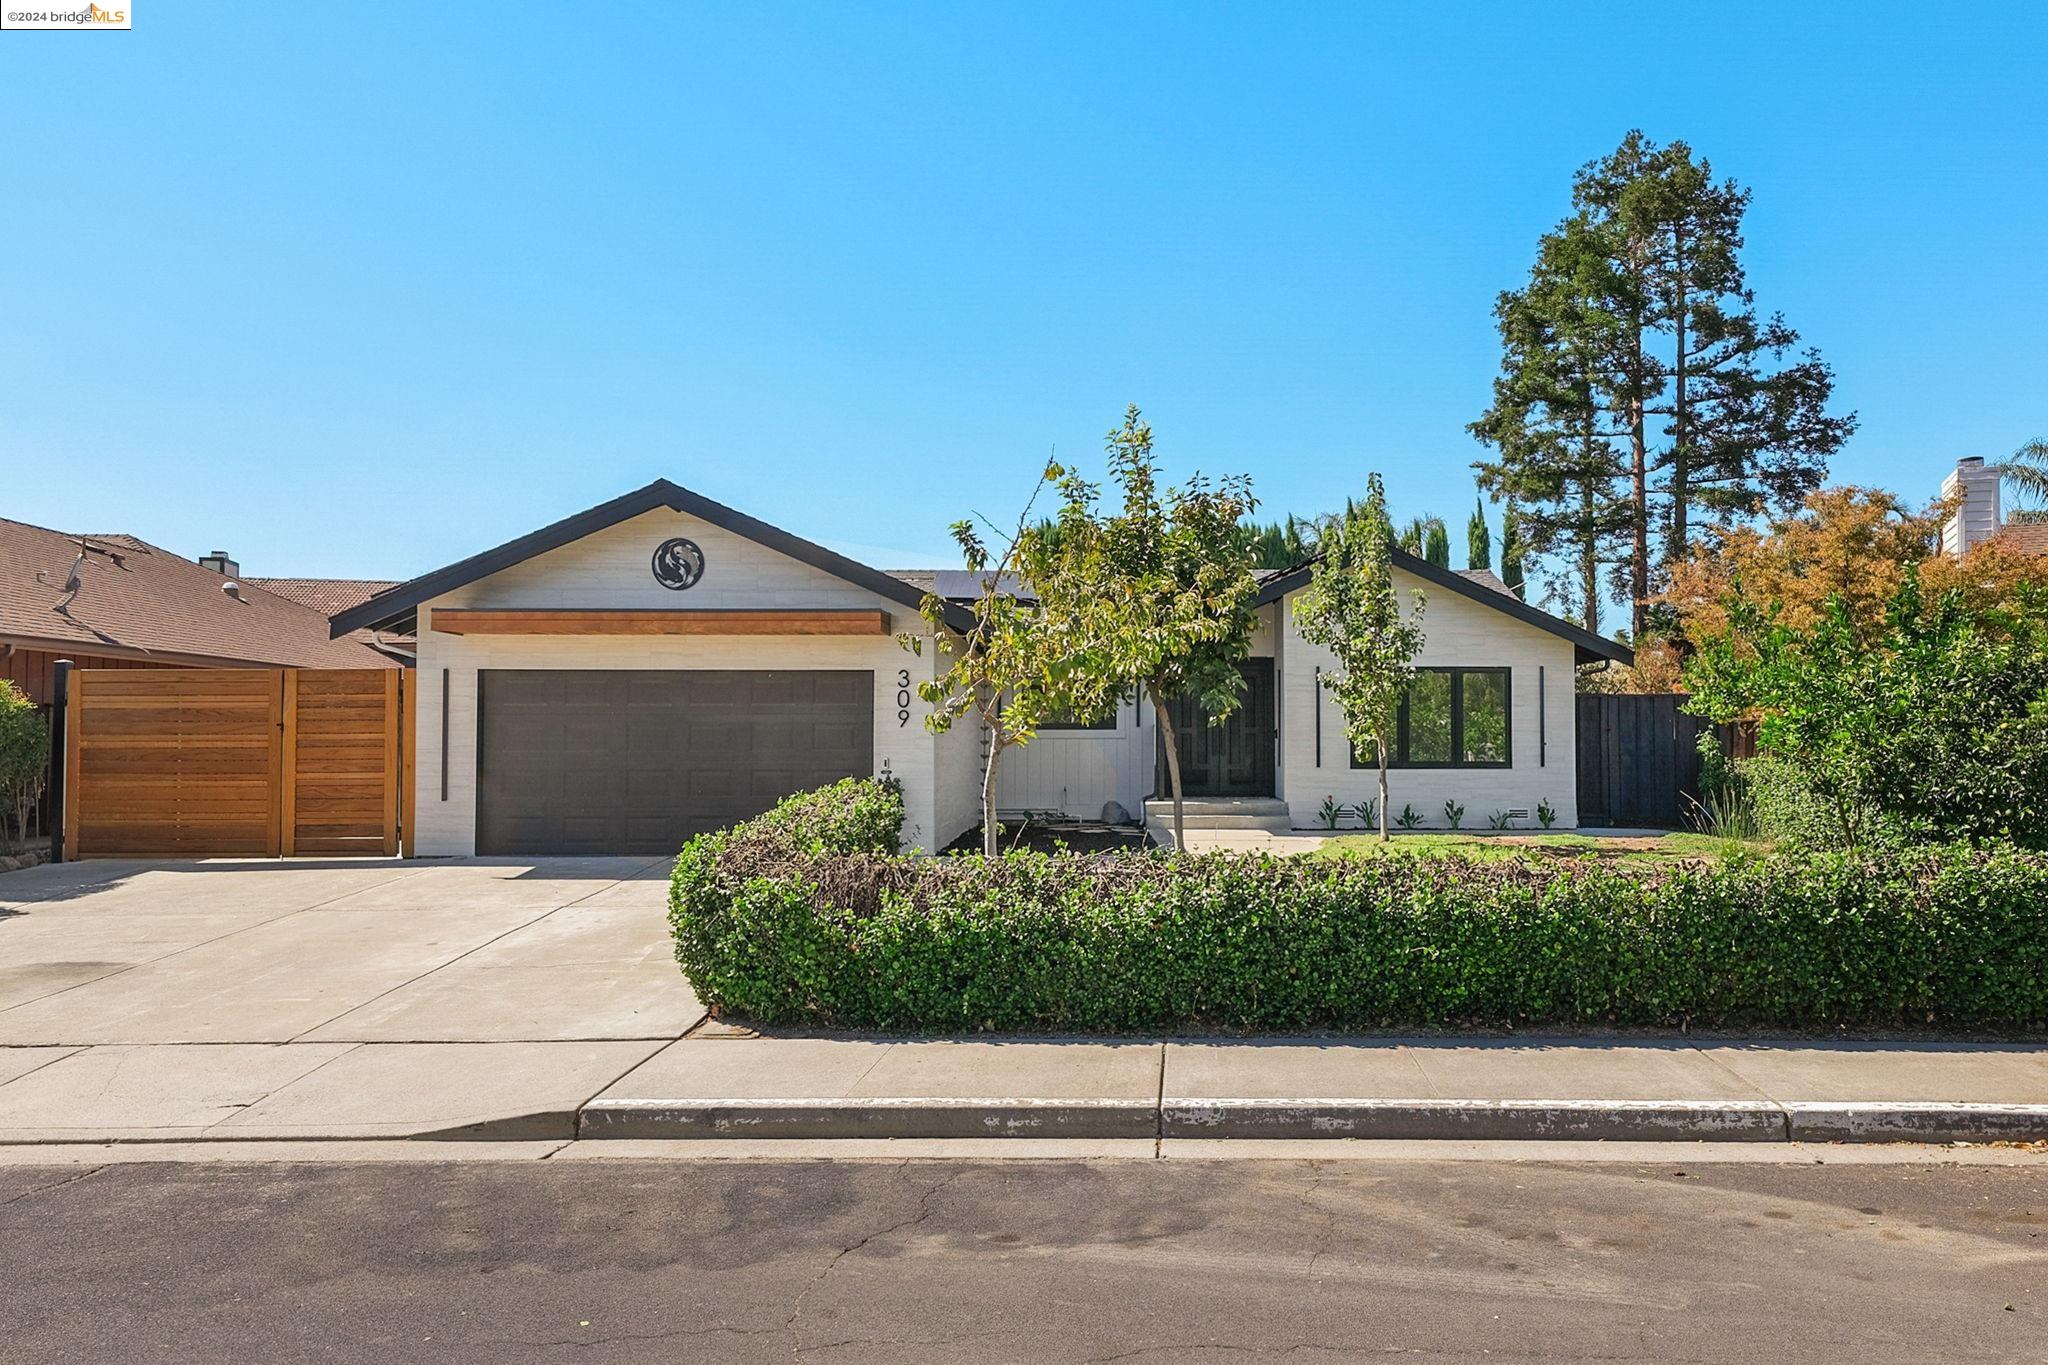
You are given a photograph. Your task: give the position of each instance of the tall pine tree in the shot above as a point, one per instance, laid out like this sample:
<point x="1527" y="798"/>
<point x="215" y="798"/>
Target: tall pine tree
<point x="1744" y="428"/>
<point x="1566" y="405"/>
<point x="1640" y="392"/>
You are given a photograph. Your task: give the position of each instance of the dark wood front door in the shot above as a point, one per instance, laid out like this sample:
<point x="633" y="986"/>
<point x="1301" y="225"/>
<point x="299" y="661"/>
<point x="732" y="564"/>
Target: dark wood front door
<point x="1231" y="759"/>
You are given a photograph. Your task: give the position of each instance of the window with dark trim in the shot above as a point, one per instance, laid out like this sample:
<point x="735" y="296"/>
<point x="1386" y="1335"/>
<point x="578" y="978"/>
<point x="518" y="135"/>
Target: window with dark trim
<point x="1451" y="718"/>
<point x="1065" y="721"/>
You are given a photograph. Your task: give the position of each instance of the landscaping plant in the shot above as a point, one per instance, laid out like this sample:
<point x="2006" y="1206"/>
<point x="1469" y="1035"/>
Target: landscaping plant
<point x="1350" y="607"/>
<point x="1454" y="813"/>
<point x="1410" y="817"/>
<point x="1934" y="727"/>
<point x="24" y="757"/>
<point x="1008" y="670"/>
<point x="805" y="917"/>
<point x="1546" y="814"/>
<point x="1157" y="597"/>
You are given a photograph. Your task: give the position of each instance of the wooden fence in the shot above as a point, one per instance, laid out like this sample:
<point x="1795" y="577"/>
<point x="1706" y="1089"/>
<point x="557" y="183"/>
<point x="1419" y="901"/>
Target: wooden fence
<point x="1638" y="760"/>
<point x="250" y="762"/>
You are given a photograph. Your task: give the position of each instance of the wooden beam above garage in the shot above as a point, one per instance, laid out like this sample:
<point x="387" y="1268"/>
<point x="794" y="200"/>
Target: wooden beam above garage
<point x="608" y="621"/>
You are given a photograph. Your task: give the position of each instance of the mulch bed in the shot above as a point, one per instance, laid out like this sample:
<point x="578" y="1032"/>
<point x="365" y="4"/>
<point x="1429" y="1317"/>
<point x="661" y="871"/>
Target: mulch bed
<point x="1071" y="836"/>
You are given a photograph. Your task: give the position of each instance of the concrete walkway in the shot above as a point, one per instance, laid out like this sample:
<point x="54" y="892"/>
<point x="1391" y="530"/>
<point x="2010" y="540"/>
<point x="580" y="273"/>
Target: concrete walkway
<point x="365" y="1000"/>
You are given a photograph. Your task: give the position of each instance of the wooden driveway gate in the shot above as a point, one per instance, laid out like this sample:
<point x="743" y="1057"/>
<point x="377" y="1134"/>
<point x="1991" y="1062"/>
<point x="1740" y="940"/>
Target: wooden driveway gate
<point x="251" y="762"/>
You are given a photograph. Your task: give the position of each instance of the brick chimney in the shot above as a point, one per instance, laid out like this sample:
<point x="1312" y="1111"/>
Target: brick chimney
<point x="219" y="562"/>
<point x="1978" y="519"/>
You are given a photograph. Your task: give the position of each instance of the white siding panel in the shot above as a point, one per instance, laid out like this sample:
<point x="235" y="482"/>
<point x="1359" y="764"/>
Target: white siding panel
<point x="611" y="569"/>
<point x="959" y="778"/>
<point x="1457" y="631"/>
<point x="1077" y="772"/>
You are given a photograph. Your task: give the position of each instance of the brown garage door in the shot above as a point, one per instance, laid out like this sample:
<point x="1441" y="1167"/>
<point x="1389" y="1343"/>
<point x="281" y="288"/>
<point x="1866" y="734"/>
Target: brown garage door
<point x="605" y="761"/>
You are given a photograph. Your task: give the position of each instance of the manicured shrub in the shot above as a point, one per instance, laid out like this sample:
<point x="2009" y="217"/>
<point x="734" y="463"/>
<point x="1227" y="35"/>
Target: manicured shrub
<point x="774" y="925"/>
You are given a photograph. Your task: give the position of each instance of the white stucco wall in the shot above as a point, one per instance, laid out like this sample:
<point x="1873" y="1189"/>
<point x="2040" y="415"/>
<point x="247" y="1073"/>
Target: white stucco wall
<point x="610" y="569"/>
<point x="1457" y="632"/>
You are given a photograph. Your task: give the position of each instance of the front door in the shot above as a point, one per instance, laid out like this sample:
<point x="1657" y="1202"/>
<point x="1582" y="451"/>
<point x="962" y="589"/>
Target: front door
<point x="1231" y="759"/>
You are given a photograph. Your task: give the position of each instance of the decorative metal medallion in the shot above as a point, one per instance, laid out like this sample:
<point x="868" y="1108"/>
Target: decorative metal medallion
<point x="678" y="564"/>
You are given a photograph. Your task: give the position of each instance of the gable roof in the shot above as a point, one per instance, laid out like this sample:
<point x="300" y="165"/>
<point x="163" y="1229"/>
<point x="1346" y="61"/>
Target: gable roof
<point x="136" y="599"/>
<point x="394" y="606"/>
<point x="1488" y="591"/>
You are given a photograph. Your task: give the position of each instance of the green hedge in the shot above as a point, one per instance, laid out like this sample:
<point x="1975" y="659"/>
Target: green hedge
<point x="807" y="917"/>
<point x="1785" y="806"/>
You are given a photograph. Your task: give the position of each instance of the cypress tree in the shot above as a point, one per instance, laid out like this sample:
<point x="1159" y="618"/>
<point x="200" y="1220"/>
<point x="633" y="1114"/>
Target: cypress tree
<point x="1478" y="540"/>
<point x="1511" y="551"/>
<point x="1436" y="545"/>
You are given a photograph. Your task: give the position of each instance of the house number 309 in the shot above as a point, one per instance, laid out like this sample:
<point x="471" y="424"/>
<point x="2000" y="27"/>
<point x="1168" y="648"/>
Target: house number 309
<point x="902" y="697"/>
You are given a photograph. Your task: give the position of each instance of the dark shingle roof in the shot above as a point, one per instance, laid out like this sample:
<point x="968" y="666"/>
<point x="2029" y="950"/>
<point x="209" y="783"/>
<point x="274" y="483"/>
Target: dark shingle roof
<point x="1485" y="578"/>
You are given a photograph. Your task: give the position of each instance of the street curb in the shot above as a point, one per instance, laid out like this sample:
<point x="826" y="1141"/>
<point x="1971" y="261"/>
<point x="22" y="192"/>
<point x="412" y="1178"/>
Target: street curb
<point x="1633" y="1120"/>
<point x="1247" y="1119"/>
<point x="870" y="1118"/>
<point x="1313" y="1118"/>
<point x="1916" y="1122"/>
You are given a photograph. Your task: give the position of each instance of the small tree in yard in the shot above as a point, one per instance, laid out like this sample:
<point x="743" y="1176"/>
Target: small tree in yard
<point x="1007" y="669"/>
<point x="1350" y="608"/>
<point x="24" y="757"/>
<point x="1158" y="598"/>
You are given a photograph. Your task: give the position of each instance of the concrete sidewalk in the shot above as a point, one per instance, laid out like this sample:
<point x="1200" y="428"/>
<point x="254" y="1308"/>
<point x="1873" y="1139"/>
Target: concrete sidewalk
<point x="709" y="1086"/>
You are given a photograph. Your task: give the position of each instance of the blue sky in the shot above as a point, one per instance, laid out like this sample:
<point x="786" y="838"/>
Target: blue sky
<point x="362" y="289"/>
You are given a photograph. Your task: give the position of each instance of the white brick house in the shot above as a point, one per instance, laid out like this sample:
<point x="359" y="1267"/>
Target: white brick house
<point x="662" y="664"/>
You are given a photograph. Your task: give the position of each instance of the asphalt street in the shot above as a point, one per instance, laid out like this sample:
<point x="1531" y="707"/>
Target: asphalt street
<point x="832" y="1261"/>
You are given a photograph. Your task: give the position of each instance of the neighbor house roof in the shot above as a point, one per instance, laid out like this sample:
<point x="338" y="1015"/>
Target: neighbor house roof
<point x="2023" y="537"/>
<point x="331" y="595"/>
<point x="1485" y="578"/>
<point x="394" y="607"/>
<point x="135" y="599"/>
<point x="324" y="595"/>
<point x="1479" y="585"/>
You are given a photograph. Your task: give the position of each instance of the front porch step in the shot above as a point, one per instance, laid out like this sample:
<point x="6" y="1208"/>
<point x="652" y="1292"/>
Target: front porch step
<point x="1213" y="812"/>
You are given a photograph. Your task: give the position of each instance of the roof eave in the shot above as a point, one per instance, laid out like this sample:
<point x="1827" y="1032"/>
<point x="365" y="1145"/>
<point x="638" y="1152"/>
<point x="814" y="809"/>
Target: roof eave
<point x="1588" y="647"/>
<point x="394" y="604"/>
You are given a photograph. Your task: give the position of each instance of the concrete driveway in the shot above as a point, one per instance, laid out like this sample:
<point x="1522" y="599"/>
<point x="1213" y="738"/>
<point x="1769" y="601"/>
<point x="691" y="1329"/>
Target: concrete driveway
<point x="359" y="997"/>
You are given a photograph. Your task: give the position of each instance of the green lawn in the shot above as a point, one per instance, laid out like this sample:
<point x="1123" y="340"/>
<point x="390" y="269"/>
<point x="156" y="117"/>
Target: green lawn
<point x="1488" y="847"/>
